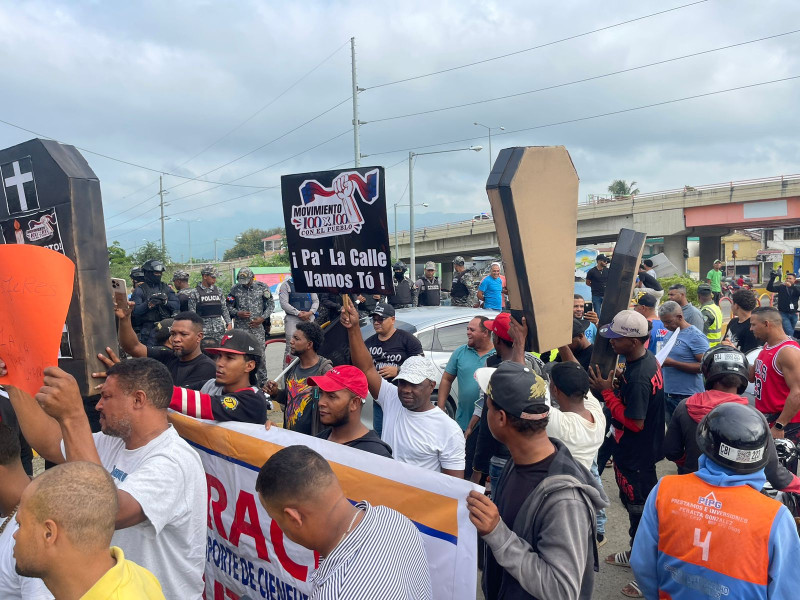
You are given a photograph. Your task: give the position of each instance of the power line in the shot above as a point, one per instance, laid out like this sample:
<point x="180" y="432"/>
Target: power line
<point x="572" y="37"/>
<point x="584" y="80"/>
<point x="597" y="116"/>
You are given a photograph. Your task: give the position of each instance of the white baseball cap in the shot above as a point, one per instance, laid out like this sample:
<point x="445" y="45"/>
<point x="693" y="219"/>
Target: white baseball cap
<point x="416" y="369"/>
<point x="626" y="324"/>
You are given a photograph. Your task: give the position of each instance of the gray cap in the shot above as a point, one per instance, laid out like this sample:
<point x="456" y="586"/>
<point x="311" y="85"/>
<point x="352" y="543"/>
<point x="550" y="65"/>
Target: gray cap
<point x="245" y="273"/>
<point x="208" y="271"/>
<point x="180" y="276"/>
<point x="458" y="260"/>
<point x="430" y="265"/>
<point x="416" y="369"/>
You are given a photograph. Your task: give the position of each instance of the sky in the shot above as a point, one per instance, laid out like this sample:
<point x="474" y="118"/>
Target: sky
<point x="248" y="91"/>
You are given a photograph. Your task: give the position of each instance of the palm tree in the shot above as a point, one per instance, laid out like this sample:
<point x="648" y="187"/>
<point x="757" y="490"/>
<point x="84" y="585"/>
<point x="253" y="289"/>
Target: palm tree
<point x="620" y="187"/>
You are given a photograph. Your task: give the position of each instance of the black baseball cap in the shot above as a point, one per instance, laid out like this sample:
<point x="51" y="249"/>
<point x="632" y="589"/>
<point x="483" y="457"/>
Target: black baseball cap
<point x="383" y="309"/>
<point x="237" y="341"/>
<point x="579" y="326"/>
<point x="603" y="257"/>
<point x="703" y="288"/>
<point x="647" y="300"/>
<point x="516" y="389"/>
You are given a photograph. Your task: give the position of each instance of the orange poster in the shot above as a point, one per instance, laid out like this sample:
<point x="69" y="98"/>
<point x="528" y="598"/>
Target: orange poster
<point x="35" y="292"/>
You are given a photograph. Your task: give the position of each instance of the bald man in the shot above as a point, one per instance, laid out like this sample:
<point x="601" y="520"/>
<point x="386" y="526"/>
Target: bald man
<point x="66" y="519"/>
<point x="367" y="551"/>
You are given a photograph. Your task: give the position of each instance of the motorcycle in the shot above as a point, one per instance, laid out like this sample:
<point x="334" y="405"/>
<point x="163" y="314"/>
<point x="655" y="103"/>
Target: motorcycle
<point x="788" y="456"/>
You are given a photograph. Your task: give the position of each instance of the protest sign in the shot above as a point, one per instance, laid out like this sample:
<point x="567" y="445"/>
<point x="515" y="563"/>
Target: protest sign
<point x="246" y="552"/>
<point x="35" y="292"/>
<point x="534" y="196"/>
<point x="50" y="197"/>
<point x="337" y="232"/>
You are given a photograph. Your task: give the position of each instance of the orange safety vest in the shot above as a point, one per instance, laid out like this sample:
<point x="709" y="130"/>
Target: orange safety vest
<point x="723" y="530"/>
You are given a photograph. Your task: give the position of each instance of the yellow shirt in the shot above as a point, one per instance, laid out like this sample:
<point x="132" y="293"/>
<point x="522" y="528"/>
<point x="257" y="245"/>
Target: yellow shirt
<point x="125" y="581"/>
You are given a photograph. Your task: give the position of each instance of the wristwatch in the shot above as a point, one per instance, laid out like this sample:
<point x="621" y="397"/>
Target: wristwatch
<point x="779" y="426"/>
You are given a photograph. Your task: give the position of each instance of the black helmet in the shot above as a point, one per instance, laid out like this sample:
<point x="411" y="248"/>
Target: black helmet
<point x="153" y="265"/>
<point x="735" y="436"/>
<point x="137" y="274"/>
<point x="724" y="360"/>
<point x="400" y="266"/>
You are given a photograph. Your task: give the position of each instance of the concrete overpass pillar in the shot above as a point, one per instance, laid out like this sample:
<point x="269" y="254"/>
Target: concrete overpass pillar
<point x="674" y="250"/>
<point x="447" y="274"/>
<point x="710" y="250"/>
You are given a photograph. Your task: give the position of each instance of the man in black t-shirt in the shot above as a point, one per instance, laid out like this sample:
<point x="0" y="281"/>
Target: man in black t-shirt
<point x="596" y="279"/>
<point x="637" y="411"/>
<point x="788" y="299"/>
<point x="389" y="347"/>
<point x="738" y="333"/>
<point x="579" y="349"/>
<point x="187" y="364"/>
<point x="344" y="392"/>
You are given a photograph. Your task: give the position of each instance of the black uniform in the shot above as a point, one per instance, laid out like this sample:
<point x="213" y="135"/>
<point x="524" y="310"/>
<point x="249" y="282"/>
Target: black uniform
<point x="403" y="296"/>
<point x="146" y="317"/>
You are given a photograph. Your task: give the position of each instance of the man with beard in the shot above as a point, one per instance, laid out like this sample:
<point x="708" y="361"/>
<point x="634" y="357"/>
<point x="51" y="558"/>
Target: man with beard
<point x="161" y="487"/>
<point x="298" y="395"/>
<point x="344" y="391"/>
<point x="187" y="364"/>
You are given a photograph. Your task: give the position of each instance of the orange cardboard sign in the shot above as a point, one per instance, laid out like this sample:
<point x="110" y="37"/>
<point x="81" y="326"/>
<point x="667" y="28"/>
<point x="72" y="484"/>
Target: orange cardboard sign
<point x="35" y="292"/>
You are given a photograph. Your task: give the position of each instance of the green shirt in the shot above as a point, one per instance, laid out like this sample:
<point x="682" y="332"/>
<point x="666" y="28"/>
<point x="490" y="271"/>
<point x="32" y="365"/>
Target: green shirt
<point x="715" y="277"/>
<point x="463" y="363"/>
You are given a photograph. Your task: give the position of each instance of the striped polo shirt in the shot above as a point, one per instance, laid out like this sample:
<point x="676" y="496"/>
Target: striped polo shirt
<point x="382" y="558"/>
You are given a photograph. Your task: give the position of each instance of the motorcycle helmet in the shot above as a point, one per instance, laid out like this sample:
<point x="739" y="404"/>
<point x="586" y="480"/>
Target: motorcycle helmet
<point x="735" y="436"/>
<point x="137" y="274"/>
<point x="721" y="361"/>
<point x="153" y="265"/>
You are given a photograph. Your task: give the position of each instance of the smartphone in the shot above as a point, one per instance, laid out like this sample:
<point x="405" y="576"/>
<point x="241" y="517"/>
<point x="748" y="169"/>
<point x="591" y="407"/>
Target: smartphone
<point x="588" y="307"/>
<point x="120" y="293"/>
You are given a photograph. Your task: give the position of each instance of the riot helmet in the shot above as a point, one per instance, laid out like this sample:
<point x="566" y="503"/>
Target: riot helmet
<point x="399" y="270"/>
<point x="137" y="275"/>
<point x="735" y="436"/>
<point x="722" y="361"/>
<point x="153" y="270"/>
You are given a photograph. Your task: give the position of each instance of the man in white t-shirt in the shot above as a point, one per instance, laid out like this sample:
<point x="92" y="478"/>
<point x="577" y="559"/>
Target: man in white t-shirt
<point x="160" y="481"/>
<point x="13" y="481"/>
<point x="418" y="432"/>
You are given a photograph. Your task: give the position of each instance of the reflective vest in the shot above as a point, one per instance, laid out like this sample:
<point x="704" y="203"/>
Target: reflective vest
<point x="714" y="333"/>
<point x="301" y="301"/>
<point x="712" y="539"/>
<point x="430" y="293"/>
<point x="209" y="301"/>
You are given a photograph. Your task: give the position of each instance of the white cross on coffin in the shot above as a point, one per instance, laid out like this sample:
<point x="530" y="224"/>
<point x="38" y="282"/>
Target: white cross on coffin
<point x="19" y="180"/>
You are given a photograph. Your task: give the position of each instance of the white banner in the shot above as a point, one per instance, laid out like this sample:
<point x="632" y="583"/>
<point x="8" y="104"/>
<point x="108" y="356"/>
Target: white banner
<point x="247" y="553"/>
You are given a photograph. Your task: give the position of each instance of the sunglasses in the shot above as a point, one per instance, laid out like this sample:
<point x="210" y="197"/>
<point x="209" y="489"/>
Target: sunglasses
<point x="378" y="319"/>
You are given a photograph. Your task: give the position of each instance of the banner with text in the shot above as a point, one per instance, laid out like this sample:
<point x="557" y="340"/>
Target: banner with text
<point x="247" y="553"/>
<point x="337" y="232"/>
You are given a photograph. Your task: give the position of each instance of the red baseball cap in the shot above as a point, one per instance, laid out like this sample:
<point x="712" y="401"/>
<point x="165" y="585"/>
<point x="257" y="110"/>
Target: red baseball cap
<point x="344" y="377"/>
<point x="500" y="325"/>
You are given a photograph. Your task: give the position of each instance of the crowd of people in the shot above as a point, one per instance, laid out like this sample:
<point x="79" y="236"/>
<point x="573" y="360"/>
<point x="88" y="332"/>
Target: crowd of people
<point x="122" y="509"/>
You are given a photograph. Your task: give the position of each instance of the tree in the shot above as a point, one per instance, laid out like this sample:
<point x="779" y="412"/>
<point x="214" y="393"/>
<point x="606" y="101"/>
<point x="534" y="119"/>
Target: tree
<point x="117" y="255"/>
<point x="148" y="251"/>
<point x="249" y="243"/>
<point x="620" y="187"/>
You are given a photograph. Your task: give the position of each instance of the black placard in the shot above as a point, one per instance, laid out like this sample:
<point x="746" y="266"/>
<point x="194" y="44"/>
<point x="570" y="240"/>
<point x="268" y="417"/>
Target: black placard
<point x="36" y="229"/>
<point x="337" y="232"/>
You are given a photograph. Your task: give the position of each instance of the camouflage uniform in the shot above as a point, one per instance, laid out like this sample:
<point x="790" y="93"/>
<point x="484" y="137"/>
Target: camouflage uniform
<point x="466" y="277"/>
<point x="183" y="295"/>
<point x="253" y="297"/>
<point x="203" y="297"/>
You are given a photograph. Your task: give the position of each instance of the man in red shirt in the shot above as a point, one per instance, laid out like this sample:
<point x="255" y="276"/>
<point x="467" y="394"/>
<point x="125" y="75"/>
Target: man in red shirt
<point x="776" y="374"/>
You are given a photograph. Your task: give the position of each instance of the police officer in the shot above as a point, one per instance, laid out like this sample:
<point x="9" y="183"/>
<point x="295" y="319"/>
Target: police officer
<point x="180" y="280"/>
<point x="250" y="304"/>
<point x="403" y="296"/>
<point x="208" y="301"/>
<point x="462" y="292"/>
<point x="712" y="533"/>
<point x="712" y="315"/>
<point x="298" y="306"/>
<point x="153" y="301"/>
<point x="137" y="277"/>
<point x="427" y="288"/>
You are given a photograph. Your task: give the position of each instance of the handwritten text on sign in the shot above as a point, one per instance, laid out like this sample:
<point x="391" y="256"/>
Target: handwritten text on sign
<point x="35" y="292"/>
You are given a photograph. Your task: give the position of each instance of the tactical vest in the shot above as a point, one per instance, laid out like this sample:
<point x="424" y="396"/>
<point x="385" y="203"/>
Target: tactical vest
<point x="430" y="294"/>
<point x="183" y="299"/>
<point x="714" y="333"/>
<point x="158" y="313"/>
<point x="209" y="301"/>
<point x="459" y="289"/>
<point x="298" y="300"/>
<point x="402" y="294"/>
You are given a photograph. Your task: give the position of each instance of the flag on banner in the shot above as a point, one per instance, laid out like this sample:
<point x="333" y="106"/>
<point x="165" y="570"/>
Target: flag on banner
<point x="247" y="553"/>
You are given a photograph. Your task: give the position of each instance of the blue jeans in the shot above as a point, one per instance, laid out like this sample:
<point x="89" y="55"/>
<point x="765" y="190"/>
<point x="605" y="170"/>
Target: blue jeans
<point x="496" y="466"/>
<point x="789" y="321"/>
<point x="601" y="513"/>
<point x="597" y="301"/>
<point x="671" y="402"/>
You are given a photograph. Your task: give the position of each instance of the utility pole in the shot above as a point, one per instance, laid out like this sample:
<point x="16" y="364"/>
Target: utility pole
<point x="356" y="89"/>
<point x="161" y="193"/>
